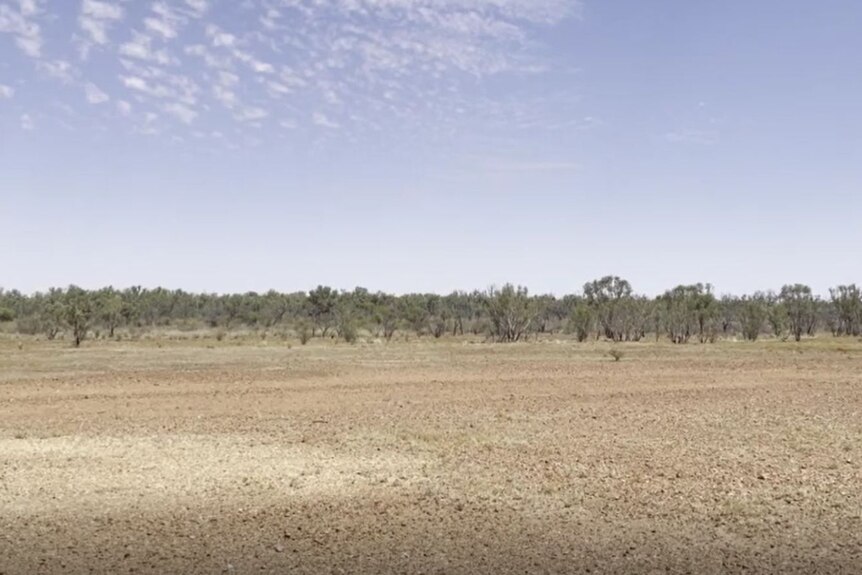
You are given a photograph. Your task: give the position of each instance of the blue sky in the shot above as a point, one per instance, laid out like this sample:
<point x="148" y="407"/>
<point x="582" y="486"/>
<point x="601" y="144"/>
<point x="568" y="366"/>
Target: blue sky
<point x="430" y="145"/>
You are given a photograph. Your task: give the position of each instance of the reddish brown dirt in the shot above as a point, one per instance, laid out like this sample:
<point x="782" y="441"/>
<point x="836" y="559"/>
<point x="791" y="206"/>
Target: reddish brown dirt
<point x="431" y="458"/>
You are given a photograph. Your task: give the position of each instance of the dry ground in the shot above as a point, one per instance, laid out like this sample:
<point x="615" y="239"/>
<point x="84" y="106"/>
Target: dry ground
<point x="430" y="457"/>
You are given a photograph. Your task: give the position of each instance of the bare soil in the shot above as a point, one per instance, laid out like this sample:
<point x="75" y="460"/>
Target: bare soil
<point x="430" y="457"/>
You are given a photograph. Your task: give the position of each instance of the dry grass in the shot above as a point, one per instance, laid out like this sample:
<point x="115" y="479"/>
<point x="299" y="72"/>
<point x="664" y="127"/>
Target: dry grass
<point x="244" y="455"/>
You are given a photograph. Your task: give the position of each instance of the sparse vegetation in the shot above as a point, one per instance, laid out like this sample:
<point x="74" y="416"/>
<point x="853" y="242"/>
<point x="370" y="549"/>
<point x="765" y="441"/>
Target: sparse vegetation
<point x="607" y="309"/>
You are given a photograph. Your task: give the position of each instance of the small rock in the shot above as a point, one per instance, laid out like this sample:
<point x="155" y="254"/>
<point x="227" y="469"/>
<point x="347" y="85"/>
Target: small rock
<point x="279" y="548"/>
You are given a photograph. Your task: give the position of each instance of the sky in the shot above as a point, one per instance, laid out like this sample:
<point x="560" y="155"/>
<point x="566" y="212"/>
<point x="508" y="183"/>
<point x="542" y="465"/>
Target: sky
<point x="430" y="145"/>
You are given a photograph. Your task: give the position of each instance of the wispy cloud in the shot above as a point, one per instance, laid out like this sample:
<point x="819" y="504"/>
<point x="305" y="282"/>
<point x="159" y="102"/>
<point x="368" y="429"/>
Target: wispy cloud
<point x="198" y="7"/>
<point x="27" y="123"/>
<point x="6" y="92"/>
<point x="96" y="19"/>
<point x="21" y="24"/>
<point x="323" y="121"/>
<point x="57" y="69"/>
<point x="141" y="85"/>
<point x="182" y="112"/>
<point x="699" y="137"/>
<point x="352" y="65"/>
<point x="141" y="48"/>
<point x="94" y="94"/>
<point x="509" y="165"/>
<point x="251" y="114"/>
<point x="164" y="22"/>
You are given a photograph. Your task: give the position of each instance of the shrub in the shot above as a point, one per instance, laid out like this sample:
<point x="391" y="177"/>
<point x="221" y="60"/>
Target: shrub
<point x="348" y="331"/>
<point x="303" y="331"/>
<point x="616" y="354"/>
<point x="581" y="322"/>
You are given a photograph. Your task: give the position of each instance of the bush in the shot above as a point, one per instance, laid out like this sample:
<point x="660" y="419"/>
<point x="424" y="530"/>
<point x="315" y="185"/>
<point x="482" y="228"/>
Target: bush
<point x="581" y="322"/>
<point x="348" y="332"/>
<point x="303" y="331"/>
<point x="616" y="354"/>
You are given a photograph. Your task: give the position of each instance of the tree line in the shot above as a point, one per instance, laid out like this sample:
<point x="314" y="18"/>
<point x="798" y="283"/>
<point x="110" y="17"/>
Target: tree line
<point x="607" y="308"/>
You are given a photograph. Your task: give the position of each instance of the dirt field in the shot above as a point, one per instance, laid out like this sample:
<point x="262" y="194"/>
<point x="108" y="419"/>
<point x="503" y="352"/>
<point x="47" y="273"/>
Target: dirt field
<point x="205" y="457"/>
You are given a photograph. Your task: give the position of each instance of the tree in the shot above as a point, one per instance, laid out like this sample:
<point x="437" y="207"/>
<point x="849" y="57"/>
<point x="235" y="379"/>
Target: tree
<point x="51" y="313"/>
<point x="729" y="314"/>
<point x="799" y="303"/>
<point x="548" y="313"/>
<point x="461" y="306"/>
<point x="776" y="315"/>
<point x="346" y="320"/>
<point x="847" y="301"/>
<point x="321" y="306"/>
<point x="690" y="310"/>
<point x="511" y="313"/>
<point x="414" y="311"/>
<point x="78" y="312"/>
<point x="680" y="319"/>
<point x="385" y="315"/>
<point x="132" y="305"/>
<point x="753" y="314"/>
<point x="608" y="297"/>
<point x="582" y="321"/>
<point x="110" y="309"/>
<point x="438" y="315"/>
<point x="708" y="312"/>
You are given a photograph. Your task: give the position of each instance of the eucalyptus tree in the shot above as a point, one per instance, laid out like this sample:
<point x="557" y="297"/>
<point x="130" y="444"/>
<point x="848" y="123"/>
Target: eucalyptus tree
<point x="776" y="315"/>
<point x="799" y="302"/>
<point x="729" y="314"/>
<point x="847" y="301"/>
<point x="608" y="297"/>
<point x="582" y="321"/>
<point x="753" y="313"/>
<point x="321" y="304"/>
<point x="413" y="309"/>
<point x="385" y="314"/>
<point x="438" y="315"/>
<point x="679" y="318"/>
<point x="461" y="307"/>
<point x="511" y="312"/>
<point x="109" y="304"/>
<point x="77" y="313"/>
